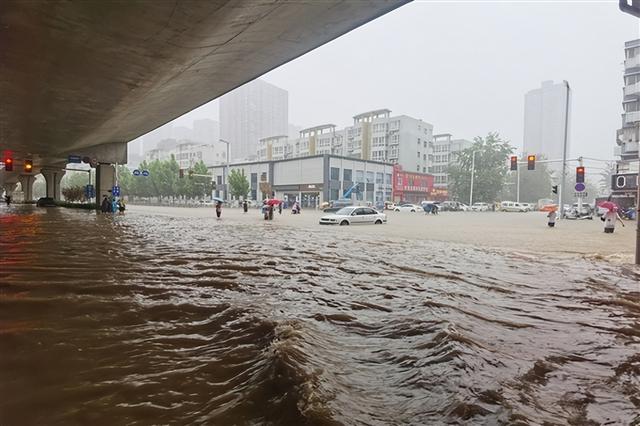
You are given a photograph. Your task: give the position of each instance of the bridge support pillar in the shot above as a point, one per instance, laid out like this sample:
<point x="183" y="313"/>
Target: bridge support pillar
<point x="53" y="178"/>
<point x="105" y="180"/>
<point x="10" y="187"/>
<point x="26" y="181"/>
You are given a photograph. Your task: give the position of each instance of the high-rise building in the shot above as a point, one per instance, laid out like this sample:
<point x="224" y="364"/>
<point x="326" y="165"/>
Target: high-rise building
<point x="546" y="120"/>
<point x="252" y="112"/>
<point x="625" y="183"/>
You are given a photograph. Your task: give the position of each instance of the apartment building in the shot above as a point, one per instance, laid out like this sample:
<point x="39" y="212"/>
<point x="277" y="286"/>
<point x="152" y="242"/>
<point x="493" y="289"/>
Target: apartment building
<point x="445" y="149"/>
<point x="374" y="136"/>
<point x="625" y="182"/>
<point x="187" y="153"/>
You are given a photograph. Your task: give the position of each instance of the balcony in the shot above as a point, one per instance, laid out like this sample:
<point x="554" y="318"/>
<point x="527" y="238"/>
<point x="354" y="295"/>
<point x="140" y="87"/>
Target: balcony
<point x="629" y="148"/>
<point x="632" y="62"/>
<point x="631" y="117"/>
<point x="632" y="89"/>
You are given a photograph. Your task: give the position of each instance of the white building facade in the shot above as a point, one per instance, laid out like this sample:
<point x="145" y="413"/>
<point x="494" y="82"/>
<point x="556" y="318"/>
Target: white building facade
<point x="445" y="149"/>
<point x="252" y="112"/>
<point x="311" y="180"/>
<point x="187" y="153"/>
<point x="625" y="183"/>
<point x="374" y="136"/>
<point x="547" y="116"/>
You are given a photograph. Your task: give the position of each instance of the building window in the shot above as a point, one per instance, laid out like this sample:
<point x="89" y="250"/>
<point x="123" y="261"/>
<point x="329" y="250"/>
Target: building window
<point x="387" y="177"/>
<point x="418" y="154"/>
<point x="254" y="180"/>
<point x="346" y="173"/>
<point x="335" y="173"/>
<point x="379" y="178"/>
<point x="219" y="180"/>
<point x="359" y="176"/>
<point x="369" y="177"/>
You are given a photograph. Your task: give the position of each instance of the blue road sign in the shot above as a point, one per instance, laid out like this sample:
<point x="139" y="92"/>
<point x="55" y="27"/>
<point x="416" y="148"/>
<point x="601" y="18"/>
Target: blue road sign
<point x="115" y="191"/>
<point x="74" y="159"/>
<point x="580" y="187"/>
<point x="145" y="173"/>
<point x="136" y="172"/>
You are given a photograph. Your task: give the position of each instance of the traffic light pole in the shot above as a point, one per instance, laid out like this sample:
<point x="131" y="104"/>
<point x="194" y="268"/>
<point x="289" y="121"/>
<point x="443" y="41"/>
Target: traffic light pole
<point x="518" y="183"/>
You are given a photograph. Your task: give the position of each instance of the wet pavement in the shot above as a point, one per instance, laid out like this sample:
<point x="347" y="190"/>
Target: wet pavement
<point x="156" y="318"/>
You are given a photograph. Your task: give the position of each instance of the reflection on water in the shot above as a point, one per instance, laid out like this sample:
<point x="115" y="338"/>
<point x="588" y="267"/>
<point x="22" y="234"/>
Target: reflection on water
<point x="151" y="320"/>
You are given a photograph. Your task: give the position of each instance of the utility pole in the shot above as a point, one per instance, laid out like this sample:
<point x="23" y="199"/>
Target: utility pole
<point x="638" y="200"/>
<point x="518" y="182"/>
<point x="473" y="172"/>
<point x="564" y="154"/>
<point x="226" y="172"/>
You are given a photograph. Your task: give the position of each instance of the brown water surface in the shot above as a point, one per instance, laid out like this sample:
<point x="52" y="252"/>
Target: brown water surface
<point x="150" y="319"/>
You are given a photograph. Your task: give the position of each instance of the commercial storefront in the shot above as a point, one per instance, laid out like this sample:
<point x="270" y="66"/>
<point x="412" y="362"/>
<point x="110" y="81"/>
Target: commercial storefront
<point x="313" y="180"/>
<point x="412" y="187"/>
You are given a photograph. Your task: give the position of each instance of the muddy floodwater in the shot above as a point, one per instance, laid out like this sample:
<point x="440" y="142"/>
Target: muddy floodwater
<point x="152" y="319"/>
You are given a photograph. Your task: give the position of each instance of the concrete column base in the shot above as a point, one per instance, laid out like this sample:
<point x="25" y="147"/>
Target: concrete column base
<point x="26" y="181"/>
<point x="105" y="180"/>
<point x="53" y="178"/>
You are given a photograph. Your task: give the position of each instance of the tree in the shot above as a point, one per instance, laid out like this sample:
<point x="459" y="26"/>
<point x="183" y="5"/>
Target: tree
<point x="491" y="154"/>
<point x="125" y="180"/>
<point x="238" y="184"/>
<point x="73" y="179"/>
<point x="73" y="193"/>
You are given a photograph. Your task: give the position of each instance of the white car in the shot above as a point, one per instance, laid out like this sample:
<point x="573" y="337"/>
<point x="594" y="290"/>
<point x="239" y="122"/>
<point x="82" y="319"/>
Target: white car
<point x="512" y="206"/>
<point x="408" y="208"/>
<point x="354" y="216"/>
<point x="480" y="207"/>
<point x="463" y="207"/>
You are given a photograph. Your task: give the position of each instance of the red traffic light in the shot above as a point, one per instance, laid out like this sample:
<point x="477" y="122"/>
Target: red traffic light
<point x="514" y="163"/>
<point x="531" y="162"/>
<point x="8" y="164"/>
<point x="579" y="174"/>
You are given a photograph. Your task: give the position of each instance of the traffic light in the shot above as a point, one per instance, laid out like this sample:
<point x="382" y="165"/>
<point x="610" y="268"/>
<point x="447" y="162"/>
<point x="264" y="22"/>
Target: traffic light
<point x="8" y="164"/>
<point x="514" y="163"/>
<point x="181" y="173"/>
<point x="28" y="166"/>
<point x="531" y="162"/>
<point x="579" y="174"/>
<point x="554" y="189"/>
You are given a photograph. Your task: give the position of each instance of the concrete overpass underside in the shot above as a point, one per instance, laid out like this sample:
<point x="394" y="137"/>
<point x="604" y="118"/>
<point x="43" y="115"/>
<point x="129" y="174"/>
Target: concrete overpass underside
<point x="85" y="78"/>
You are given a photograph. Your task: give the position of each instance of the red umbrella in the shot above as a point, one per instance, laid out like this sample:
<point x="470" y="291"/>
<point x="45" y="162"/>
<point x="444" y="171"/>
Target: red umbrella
<point x="273" y="202"/>
<point x="549" y="208"/>
<point x="611" y="206"/>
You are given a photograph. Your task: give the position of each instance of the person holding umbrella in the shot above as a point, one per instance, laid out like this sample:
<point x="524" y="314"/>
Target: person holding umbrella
<point x="610" y="217"/>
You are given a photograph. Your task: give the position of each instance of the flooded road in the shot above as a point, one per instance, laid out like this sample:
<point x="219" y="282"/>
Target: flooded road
<point x="153" y="319"/>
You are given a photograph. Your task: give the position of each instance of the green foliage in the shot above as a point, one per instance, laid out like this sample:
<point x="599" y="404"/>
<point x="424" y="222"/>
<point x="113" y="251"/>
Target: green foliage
<point x="73" y="193"/>
<point x="164" y="180"/>
<point x="490" y="169"/>
<point x="238" y="184"/>
<point x="73" y="179"/>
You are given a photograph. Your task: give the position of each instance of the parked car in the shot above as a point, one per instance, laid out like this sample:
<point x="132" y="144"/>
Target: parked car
<point x="586" y="212"/>
<point x="408" y="208"/>
<point x="463" y="207"/>
<point x="388" y="205"/>
<point x="480" y="207"/>
<point x="354" y="216"/>
<point x="512" y="206"/>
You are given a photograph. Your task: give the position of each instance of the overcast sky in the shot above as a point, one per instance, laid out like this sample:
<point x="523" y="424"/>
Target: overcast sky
<point x="465" y="67"/>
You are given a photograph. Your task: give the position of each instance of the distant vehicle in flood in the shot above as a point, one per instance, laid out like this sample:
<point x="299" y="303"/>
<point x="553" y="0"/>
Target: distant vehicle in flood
<point x="480" y="207"/>
<point x="354" y="216"/>
<point x="408" y="208"/>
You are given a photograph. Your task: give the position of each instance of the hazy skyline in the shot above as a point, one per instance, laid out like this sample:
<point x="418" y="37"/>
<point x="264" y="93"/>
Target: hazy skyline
<point x="465" y="68"/>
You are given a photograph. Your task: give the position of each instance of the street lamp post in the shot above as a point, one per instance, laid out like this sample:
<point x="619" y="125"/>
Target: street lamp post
<point x="226" y="170"/>
<point x="473" y="171"/>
